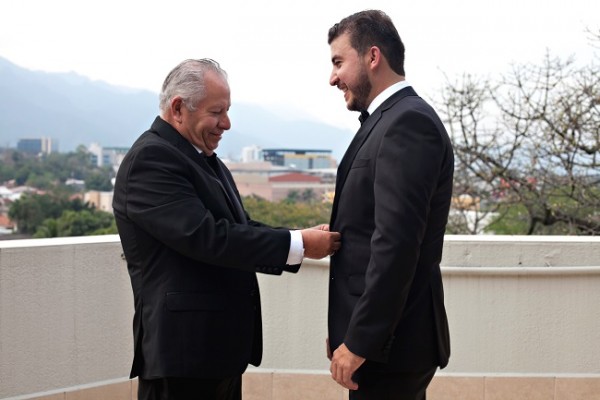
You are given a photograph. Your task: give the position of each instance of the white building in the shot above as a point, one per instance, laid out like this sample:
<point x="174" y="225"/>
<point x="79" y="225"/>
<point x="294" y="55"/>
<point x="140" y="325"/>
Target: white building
<point x="251" y="154"/>
<point x="107" y="156"/>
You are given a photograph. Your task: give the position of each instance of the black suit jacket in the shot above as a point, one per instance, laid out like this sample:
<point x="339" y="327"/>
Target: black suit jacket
<point x="391" y="206"/>
<point x="192" y="264"/>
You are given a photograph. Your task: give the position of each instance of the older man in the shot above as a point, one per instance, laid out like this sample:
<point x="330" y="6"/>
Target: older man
<point x="191" y="249"/>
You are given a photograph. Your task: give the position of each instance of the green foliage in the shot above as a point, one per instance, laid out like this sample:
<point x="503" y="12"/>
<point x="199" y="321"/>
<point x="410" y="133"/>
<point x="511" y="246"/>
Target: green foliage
<point x="56" y="213"/>
<point x="514" y="218"/>
<point x="41" y="180"/>
<point x="77" y="223"/>
<point x="31" y="210"/>
<point x="52" y="170"/>
<point x="511" y="220"/>
<point x="287" y="213"/>
<point x="99" y="180"/>
<point x="110" y="230"/>
<point x="306" y="196"/>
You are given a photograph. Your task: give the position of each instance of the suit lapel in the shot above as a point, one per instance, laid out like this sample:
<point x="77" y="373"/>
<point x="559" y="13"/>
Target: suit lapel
<point x="360" y="137"/>
<point x="346" y="163"/>
<point x="227" y="184"/>
<point x="355" y="145"/>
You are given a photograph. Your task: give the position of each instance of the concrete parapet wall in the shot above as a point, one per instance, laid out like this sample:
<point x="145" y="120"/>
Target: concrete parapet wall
<point x="518" y="307"/>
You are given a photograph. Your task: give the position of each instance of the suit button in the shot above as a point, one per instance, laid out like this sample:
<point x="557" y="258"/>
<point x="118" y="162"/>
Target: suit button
<point x="253" y="293"/>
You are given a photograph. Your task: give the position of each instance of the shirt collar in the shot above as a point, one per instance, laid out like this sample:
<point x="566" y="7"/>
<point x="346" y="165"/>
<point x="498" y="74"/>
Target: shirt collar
<point x="385" y="94"/>
<point x="199" y="150"/>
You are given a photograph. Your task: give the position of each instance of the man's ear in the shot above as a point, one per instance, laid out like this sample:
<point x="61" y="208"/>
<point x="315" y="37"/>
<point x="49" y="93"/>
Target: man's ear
<point x="374" y="57"/>
<point x="176" y="107"/>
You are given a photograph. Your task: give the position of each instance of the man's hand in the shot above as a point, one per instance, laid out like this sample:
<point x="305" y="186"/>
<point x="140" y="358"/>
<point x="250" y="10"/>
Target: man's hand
<point x="322" y="227"/>
<point x="319" y="242"/>
<point x="343" y="365"/>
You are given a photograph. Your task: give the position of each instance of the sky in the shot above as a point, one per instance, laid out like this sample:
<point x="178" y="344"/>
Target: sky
<point x="276" y="52"/>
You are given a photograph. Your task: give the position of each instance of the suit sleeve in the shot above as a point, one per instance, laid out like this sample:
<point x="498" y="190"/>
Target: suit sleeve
<point x="406" y="175"/>
<point x="169" y="199"/>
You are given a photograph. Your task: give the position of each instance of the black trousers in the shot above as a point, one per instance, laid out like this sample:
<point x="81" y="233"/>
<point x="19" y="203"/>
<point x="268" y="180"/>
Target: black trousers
<point x="378" y="385"/>
<point x="190" y="389"/>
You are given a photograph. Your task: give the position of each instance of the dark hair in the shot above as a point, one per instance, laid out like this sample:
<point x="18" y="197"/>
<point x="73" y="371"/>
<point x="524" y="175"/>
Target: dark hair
<point x="372" y="28"/>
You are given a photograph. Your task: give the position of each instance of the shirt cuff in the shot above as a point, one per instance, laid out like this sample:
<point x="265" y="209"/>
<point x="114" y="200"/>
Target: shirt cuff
<point x="296" y="254"/>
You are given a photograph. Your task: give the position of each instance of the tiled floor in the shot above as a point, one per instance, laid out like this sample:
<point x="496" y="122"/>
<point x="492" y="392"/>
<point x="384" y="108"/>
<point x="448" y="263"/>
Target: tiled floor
<point x="301" y="386"/>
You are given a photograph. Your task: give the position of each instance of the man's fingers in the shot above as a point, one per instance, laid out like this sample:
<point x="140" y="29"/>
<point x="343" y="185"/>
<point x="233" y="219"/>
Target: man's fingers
<point x="342" y="374"/>
<point x="351" y="386"/>
<point x="343" y="377"/>
<point x="334" y="372"/>
<point x="319" y="243"/>
<point x="343" y="365"/>
<point x="348" y="383"/>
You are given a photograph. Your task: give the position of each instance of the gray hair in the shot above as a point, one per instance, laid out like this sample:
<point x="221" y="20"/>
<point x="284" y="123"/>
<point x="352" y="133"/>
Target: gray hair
<point x="186" y="80"/>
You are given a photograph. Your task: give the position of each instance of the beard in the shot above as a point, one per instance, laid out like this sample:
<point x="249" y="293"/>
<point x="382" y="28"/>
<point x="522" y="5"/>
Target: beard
<point x="360" y="92"/>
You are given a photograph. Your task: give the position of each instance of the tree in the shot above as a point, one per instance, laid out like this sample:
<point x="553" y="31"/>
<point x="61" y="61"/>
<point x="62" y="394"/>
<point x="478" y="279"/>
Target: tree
<point x="78" y="223"/>
<point x="306" y="196"/>
<point x="286" y="213"/>
<point x="528" y="147"/>
<point x="99" y="180"/>
<point x="47" y="171"/>
<point x="31" y="210"/>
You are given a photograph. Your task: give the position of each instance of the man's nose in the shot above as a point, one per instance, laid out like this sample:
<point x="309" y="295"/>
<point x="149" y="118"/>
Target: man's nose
<point x="225" y="122"/>
<point x="333" y="79"/>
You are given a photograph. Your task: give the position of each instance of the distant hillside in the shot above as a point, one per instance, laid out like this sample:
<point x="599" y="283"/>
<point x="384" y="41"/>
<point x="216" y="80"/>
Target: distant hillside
<point x="76" y="110"/>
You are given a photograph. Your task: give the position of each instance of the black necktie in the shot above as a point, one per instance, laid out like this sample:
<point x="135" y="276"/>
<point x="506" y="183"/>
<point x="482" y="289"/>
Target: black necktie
<point x="364" y="114"/>
<point x="237" y="207"/>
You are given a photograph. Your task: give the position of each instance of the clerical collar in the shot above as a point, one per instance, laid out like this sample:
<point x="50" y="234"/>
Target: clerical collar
<point x="385" y="94"/>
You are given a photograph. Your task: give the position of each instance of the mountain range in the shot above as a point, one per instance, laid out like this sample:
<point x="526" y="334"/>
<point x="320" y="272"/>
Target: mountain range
<point x="76" y="110"/>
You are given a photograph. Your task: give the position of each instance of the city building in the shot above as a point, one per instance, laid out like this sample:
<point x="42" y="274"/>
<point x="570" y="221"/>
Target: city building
<point x="107" y="156"/>
<point x="276" y="183"/>
<point x="279" y="187"/>
<point x="6" y="225"/>
<point x="278" y="173"/>
<point x="43" y="145"/>
<point x="301" y="159"/>
<point x="101" y="200"/>
<point x="251" y="154"/>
